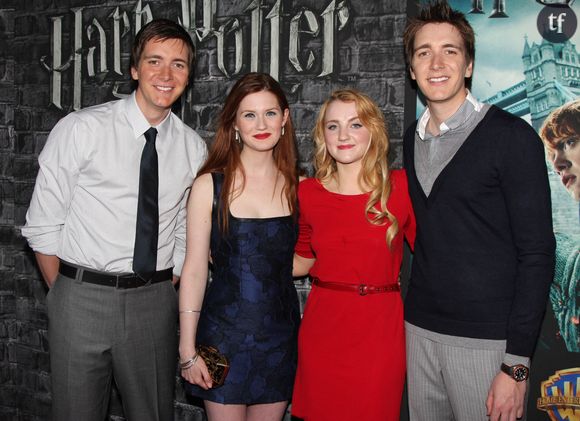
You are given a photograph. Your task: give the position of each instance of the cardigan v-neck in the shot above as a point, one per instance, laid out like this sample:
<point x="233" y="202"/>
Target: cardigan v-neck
<point x="474" y="133"/>
<point x="484" y="252"/>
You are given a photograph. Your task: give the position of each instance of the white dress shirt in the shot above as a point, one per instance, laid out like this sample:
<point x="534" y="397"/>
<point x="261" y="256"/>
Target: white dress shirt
<point x="443" y="127"/>
<point x="84" y="205"/>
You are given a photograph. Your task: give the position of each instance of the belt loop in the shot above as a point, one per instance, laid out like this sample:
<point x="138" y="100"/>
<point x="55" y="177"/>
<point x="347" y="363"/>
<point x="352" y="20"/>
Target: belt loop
<point x="79" y="276"/>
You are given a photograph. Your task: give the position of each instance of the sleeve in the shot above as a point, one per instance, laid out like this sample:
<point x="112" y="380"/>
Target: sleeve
<point x="510" y="359"/>
<point x="410" y="227"/>
<point x="198" y="158"/>
<point x="526" y="191"/>
<point x="408" y="144"/>
<point x="303" y="247"/>
<point x="55" y="184"/>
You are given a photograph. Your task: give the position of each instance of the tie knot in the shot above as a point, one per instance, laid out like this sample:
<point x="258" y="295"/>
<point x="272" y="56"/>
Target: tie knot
<point x="150" y="134"/>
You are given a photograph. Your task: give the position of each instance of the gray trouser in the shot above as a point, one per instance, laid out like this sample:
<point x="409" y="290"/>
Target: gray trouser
<point x="446" y="382"/>
<point x="100" y="333"/>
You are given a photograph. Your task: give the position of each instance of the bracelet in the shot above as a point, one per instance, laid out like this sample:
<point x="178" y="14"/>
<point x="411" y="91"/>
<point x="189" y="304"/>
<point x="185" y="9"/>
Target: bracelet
<point x="190" y="311"/>
<point x="189" y="363"/>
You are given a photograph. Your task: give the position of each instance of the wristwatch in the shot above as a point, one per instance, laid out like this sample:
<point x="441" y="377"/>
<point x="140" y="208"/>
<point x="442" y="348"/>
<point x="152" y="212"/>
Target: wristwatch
<point x="518" y="372"/>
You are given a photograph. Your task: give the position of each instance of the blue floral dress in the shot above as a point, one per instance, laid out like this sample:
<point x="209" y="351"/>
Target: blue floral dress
<point x="250" y="312"/>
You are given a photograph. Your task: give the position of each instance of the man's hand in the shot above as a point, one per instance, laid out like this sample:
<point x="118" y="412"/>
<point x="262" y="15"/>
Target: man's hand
<point x="505" y="400"/>
<point x="48" y="266"/>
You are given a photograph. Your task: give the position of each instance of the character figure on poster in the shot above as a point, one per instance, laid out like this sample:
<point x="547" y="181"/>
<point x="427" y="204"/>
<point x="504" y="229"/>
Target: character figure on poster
<point x="561" y="135"/>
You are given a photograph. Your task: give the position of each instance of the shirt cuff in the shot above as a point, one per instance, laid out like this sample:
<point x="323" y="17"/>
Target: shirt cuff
<point x="511" y="359"/>
<point x="177" y="264"/>
<point x="42" y="241"/>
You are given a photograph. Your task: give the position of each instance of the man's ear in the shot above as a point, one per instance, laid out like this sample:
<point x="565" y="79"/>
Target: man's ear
<point x="469" y="69"/>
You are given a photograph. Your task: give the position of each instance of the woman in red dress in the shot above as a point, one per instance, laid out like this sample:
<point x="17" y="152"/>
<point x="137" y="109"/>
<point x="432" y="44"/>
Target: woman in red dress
<point x="354" y="216"/>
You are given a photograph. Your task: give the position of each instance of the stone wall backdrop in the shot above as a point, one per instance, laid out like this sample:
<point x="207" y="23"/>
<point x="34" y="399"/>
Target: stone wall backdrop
<point x="60" y="55"/>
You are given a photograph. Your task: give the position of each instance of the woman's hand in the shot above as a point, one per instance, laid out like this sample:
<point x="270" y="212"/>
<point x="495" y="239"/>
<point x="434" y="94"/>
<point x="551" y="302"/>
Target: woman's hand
<point x="197" y="373"/>
<point x="301" y="265"/>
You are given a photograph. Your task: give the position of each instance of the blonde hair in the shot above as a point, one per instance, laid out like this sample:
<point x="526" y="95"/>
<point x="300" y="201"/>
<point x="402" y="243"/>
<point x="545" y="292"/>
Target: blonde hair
<point x="375" y="169"/>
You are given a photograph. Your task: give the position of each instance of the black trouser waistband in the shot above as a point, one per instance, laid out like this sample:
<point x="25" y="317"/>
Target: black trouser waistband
<point x="130" y="280"/>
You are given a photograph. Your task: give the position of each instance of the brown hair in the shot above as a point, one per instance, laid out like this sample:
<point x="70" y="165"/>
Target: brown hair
<point x="160" y="30"/>
<point x="375" y="168"/>
<point x="224" y="154"/>
<point x="439" y="11"/>
<point x="562" y="123"/>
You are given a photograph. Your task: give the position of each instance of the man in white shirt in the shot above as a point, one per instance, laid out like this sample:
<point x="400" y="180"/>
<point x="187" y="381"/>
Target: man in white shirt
<point x="107" y="224"/>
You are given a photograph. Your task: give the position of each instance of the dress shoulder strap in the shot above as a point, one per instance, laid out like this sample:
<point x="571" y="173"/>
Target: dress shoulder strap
<point x="218" y="181"/>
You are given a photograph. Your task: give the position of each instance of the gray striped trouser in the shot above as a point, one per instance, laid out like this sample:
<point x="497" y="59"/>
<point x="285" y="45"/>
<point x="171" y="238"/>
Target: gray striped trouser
<point x="447" y="382"/>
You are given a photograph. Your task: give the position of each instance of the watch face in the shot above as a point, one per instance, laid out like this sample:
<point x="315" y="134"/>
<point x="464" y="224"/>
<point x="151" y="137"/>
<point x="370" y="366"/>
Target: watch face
<point x="520" y="373"/>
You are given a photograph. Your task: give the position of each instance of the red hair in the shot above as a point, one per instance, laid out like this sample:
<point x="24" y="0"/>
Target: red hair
<point x="224" y="154"/>
<point x="562" y="124"/>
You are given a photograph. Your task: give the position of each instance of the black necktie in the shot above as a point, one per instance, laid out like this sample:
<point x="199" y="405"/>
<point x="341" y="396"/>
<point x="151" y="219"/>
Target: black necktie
<point x="145" y="254"/>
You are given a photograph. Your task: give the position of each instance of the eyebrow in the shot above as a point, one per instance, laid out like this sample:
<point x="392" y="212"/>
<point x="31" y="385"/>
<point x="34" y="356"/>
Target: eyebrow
<point x="276" y="108"/>
<point x="428" y="45"/>
<point x="337" y="121"/>
<point x="561" y="142"/>
<point x="158" y="57"/>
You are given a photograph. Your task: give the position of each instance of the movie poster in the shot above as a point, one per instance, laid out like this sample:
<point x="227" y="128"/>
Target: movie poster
<point x="527" y="62"/>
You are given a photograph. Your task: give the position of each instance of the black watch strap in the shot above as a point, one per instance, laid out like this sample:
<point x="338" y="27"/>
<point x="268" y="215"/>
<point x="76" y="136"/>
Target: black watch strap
<point x="518" y="372"/>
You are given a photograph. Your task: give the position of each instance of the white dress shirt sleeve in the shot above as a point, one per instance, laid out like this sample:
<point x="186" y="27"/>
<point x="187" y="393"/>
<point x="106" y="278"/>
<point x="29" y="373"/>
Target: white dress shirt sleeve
<point x="197" y="158"/>
<point x="55" y="183"/>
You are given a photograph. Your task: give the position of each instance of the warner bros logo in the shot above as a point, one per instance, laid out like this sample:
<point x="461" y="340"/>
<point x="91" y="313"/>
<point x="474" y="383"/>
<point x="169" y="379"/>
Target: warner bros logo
<point x="560" y="396"/>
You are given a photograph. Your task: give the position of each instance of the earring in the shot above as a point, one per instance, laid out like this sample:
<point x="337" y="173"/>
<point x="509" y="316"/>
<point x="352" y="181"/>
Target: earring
<point x="237" y="136"/>
<point x="283" y="131"/>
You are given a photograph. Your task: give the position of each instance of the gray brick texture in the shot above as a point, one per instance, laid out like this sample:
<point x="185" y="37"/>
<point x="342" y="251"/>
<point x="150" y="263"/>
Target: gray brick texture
<point x="368" y="55"/>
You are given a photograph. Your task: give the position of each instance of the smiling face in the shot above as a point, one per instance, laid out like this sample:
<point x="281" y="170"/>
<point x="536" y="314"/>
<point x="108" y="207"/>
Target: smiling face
<point x="565" y="158"/>
<point x="345" y="137"/>
<point x="439" y="65"/>
<point x="259" y="120"/>
<point x="162" y="72"/>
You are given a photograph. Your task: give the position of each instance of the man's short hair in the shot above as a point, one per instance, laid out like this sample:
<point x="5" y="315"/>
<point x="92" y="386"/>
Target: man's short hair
<point x="562" y="124"/>
<point x="439" y="11"/>
<point x="160" y="30"/>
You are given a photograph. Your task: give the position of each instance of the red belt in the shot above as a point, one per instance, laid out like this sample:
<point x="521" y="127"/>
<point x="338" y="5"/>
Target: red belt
<point x="361" y="289"/>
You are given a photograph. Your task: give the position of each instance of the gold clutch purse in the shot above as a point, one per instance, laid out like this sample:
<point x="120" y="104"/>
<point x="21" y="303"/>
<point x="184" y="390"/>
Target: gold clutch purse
<point x="217" y="364"/>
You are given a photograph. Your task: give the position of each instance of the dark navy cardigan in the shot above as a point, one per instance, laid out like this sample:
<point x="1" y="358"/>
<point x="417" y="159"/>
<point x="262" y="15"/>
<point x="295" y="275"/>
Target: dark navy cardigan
<point x="484" y="253"/>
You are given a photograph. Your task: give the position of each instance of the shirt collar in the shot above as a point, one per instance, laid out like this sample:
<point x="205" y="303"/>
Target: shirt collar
<point x="468" y="106"/>
<point x="139" y="123"/>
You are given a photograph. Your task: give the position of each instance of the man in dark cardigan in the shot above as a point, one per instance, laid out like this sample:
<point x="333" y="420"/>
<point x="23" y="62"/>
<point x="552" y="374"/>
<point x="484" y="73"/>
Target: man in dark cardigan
<point x="484" y="253"/>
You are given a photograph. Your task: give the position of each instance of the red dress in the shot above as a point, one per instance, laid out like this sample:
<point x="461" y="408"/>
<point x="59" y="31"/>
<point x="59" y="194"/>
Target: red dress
<point x="351" y="348"/>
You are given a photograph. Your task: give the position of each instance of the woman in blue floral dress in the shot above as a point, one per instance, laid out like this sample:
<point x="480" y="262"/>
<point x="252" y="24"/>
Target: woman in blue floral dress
<point x="242" y="216"/>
